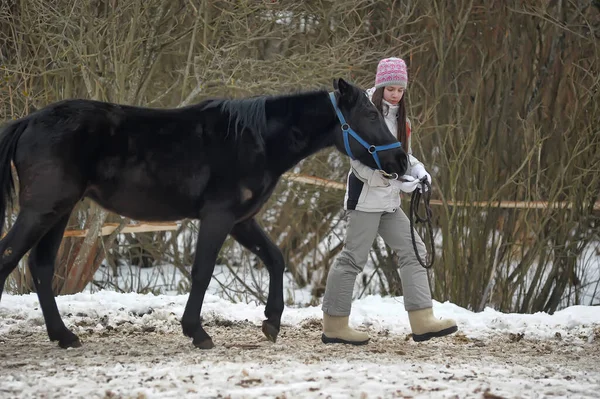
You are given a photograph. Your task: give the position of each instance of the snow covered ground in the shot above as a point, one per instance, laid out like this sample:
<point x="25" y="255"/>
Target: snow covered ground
<point x="133" y="348"/>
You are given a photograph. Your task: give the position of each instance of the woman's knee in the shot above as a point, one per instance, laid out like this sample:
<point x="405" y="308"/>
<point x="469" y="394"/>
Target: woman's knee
<point x="350" y="262"/>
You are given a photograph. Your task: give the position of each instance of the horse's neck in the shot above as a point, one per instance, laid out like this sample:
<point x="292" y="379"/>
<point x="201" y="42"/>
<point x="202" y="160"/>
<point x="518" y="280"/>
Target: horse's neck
<point x="309" y="127"/>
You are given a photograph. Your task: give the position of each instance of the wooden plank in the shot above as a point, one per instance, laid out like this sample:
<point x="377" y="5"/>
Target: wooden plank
<point x="108" y="228"/>
<point x="317" y="181"/>
<point x="143" y="227"/>
<point x="513" y="204"/>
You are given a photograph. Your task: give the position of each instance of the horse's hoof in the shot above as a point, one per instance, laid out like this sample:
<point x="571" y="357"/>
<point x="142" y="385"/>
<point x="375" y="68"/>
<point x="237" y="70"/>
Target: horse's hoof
<point x="70" y="343"/>
<point x="204" y="344"/>
<point x="270" y="331"/>
<point x="66" y="339"/>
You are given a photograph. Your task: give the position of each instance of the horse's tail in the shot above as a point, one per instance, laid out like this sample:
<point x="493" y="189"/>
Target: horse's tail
<point x="8" y="144"/>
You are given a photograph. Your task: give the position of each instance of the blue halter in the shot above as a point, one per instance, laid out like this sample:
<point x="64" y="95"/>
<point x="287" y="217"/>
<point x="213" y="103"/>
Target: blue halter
<point x="346" y="129"/>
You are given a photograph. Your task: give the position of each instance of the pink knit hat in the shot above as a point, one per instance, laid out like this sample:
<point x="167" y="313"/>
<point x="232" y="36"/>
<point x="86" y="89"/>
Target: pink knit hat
<point x="391" y="71"/>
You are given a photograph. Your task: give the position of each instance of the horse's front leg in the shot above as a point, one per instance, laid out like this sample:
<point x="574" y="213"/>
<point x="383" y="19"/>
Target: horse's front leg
<point x="214" y="228"/>
<point x="254" y="238"/>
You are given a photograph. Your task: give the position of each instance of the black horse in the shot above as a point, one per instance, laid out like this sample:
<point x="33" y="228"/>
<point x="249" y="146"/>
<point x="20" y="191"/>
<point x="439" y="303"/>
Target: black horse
<point x="217" y="161"/>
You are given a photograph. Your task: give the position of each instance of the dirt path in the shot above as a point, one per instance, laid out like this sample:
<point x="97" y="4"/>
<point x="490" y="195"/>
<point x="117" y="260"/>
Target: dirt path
<point x="134" y="362"/>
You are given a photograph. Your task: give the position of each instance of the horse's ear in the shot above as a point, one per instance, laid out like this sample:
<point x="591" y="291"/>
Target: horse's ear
<point x="347" y="91"/>
<point x="335" y="83"/>
<point x="343" y="86"/>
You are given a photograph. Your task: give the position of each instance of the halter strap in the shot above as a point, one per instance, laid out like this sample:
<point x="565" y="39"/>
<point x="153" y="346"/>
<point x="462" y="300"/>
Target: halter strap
<point x="348" y="131"/>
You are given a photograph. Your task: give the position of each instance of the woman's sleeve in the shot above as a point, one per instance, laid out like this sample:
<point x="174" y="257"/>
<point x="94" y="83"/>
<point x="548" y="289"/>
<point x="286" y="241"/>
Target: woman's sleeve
<point x="368" y="175"/>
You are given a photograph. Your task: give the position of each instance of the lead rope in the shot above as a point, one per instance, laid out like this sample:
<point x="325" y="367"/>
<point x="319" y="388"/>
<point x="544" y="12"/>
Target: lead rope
<point x="414" y="217"/>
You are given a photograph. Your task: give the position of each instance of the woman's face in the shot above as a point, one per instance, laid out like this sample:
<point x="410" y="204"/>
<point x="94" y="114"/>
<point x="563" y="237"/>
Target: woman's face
<point x="393" y="94"/>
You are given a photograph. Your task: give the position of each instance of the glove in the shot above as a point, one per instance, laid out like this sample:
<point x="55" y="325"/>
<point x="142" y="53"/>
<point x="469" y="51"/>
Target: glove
<point x="408" y="185"/>
<point x="418" y="171"/>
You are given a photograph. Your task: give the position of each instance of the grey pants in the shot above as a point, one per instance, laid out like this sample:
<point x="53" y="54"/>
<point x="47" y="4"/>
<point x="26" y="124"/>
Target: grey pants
<point x="361" y="231"/>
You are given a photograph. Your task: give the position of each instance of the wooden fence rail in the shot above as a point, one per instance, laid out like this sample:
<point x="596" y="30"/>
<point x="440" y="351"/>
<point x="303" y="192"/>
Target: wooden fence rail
<point x="143" y="227"/>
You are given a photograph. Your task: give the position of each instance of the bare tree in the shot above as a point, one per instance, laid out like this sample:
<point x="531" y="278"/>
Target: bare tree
<point x="503" y="97"/>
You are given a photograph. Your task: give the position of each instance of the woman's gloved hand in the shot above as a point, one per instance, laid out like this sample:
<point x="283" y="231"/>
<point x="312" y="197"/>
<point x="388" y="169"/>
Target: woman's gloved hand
<point x="406" y="183"/>
<point x="419" y="172"/>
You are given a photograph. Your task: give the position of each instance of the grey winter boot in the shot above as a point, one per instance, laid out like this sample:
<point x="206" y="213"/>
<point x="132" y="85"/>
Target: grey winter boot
<point x="425" y="326"/>
<point x="337" y="331"/>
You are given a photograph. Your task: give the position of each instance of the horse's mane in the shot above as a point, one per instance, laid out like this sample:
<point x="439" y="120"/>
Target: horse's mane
<point x="246" y="113"/>
<point x="250" y="113"/>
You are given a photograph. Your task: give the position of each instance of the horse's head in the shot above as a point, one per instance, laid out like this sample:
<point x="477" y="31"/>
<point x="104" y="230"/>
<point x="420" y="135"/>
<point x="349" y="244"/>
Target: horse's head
<point x="364" y="134"/>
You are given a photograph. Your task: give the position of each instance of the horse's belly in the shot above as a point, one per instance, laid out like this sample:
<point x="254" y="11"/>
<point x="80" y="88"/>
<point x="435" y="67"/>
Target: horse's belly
<point x="250" y="207"/>
<point x="139" y="204"/>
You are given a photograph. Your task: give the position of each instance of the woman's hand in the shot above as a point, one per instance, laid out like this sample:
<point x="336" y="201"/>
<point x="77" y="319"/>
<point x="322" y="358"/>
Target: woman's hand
<point x="406" y="184"/>
<point x="419" y="172"/>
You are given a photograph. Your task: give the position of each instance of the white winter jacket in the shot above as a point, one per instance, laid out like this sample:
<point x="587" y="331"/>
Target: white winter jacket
<point x="366" y="189"/>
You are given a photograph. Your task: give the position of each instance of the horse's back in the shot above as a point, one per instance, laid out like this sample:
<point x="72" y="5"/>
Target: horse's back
<point x="152" y="164"/>
<point x="94" y="142"/>
<point x="83" y="131"/>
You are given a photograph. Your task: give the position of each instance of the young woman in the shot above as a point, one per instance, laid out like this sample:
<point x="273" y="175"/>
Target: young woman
<point x="372" y="203"/>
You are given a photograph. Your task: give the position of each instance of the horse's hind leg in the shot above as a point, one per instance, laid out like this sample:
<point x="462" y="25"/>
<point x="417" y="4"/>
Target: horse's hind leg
<point x="41" y="265"/>
<point x="27" y="230"/>
<point x="253" y="237"/>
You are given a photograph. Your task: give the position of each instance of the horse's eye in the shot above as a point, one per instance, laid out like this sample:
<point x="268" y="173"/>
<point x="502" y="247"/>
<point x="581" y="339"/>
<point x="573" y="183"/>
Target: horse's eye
<point x="373" y="115"/>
